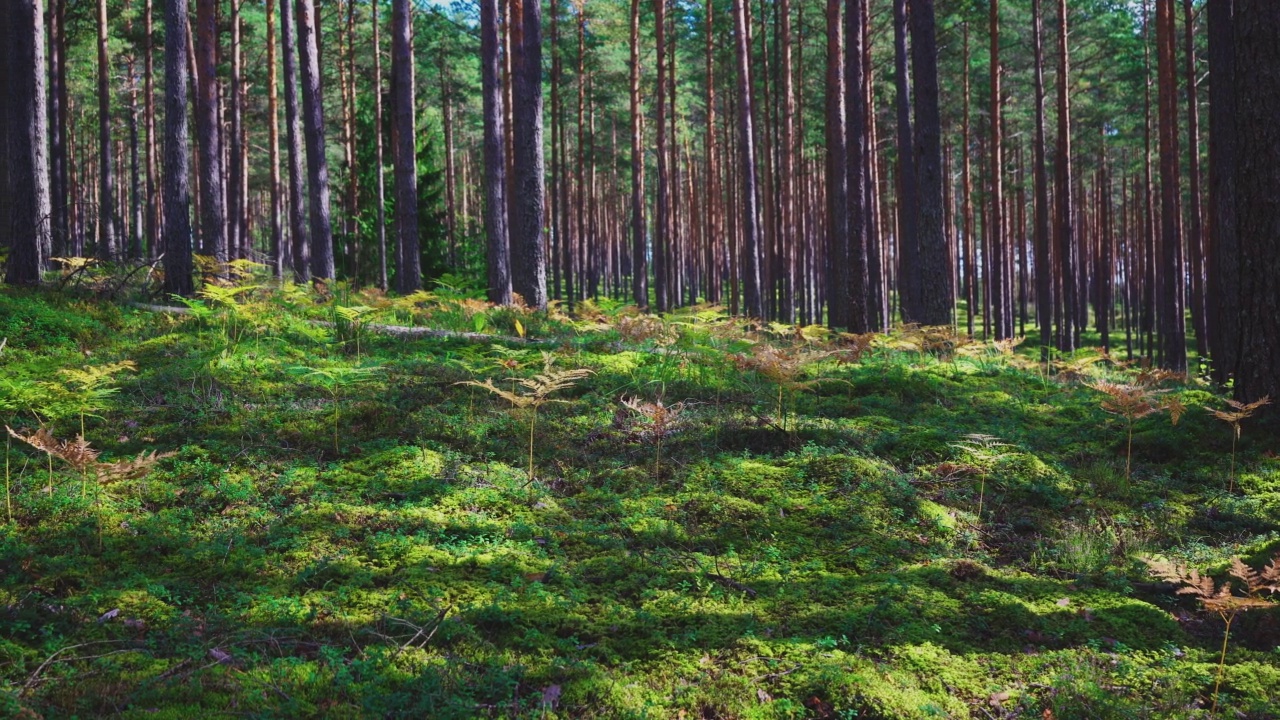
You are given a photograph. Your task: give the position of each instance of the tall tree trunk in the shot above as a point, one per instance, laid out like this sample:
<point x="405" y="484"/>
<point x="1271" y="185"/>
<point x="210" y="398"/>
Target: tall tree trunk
<point x="236" y="242"/>
<point x="639" y="263"/>
<point x="300" y="244"/>
<point x="966" y="179"/>
<point x="135" y="184"/>
<point x="403" y="137"/>
<point x="935" y="298"/>
<point x="1003" y="313"/>
<point x="279" y="250"/>
<point x="377" y="134"/>
<point x="57" y="120"/>
<point x="662" y="190"/>
<point x="1173" y="324"/>
<point x="908" y="193"/>
<point x="1066" y="235"/>
<point x="837" y="174"/>
<point x="155" y="206"/>
<point x="177" y="153"/>
<point x="1223" y="299"/>
<point x="450" y="175"/>
<point x="24" y="182"/>
<point x="213" y="209"/>
<point x="495" y="163"/>
<point x="753" y="299"/>
<point x="108" y="240"/>
<point x="1257" y="47"/>
<point x="313" y="125"/>
<point x="857" y="144"/>
<point x="528" y="253"/>
<point x="1195" y="220"/>
<point x="1040" y="179"/>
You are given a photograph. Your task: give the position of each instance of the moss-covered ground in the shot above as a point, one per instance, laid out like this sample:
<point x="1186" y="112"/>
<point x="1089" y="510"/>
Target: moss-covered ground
<point x="836" y="527"/>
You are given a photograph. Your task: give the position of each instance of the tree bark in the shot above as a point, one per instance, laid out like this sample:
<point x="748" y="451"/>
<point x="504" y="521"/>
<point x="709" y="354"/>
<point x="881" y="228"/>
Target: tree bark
<point x="753" y="300"/>
<point x="934" y="273"/>
<point x="403" y="137"/>
<point x="837" y="175"/>
<point x="495" y="162"/>
<point x="57" y="120"/>
<point x="857" y="145"/>
<point x="528" y="254"/>
<point x="1066" y="231"/>
<point x="1040" y="179"/>
<point x="377" y="134"/>
<point x="1172" y="325"/>
<point x="639" y="260"/>
<point x="1257" y="47"/>
<point x="1223" y="299"/>
<point x="24" y="182"/>
<point x="1195" y="219"/>
<point x="177" y="153"/>
<point x="108" y="238"/>
<point x="1003" y="315"/>
<point x="907" y="237"/>
<point x="213" y="208"/>
<point x="313" y="125"/>
<point x="278" y="247"/>
<point x="299" y="243"/>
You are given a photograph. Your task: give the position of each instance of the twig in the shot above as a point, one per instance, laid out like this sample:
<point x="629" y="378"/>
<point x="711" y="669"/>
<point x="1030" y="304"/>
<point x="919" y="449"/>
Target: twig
<point x="35" y="676"/>
<point x="731" y="584"/>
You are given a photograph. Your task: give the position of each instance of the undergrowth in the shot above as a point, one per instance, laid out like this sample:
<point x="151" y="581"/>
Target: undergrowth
<point x="297" y="514"/>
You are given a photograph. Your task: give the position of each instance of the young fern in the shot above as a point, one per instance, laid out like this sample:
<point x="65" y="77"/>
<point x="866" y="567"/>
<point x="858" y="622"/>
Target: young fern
<point x="984" y="451"/>
<point x="332" y="381"/>
<point x="91" y="387"/>
<point x="1133" y="402"/>
<point x="662" y="421"/>
<point x="536" y="392"/>
<point x="1220" y="599"/>
<point x="1238" y="413"/>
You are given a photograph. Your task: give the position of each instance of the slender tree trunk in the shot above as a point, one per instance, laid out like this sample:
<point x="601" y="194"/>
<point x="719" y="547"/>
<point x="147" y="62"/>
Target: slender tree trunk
<point x="108" y="239"/>
<point x="837" y="174"/>
<point x="450" y="174"/>
<point x="300" y="244"/>
<point x="377" y="124"/>
<point x="236" y="242"/>
<point x="495" y="163"/>
<point x="59" y="224"/>
<point x="313" y="124"/>
<point x="908" y="254"/>
<point x="1003" y="313"/>
<point x="753" y="300"/>
<point x="213" y="209"/>
<point x="1195" y="220"/>
<point x="528" y="253"/>
<point x="177" y="153"/>
<point x="1173" y="325"/>
<point x="935" y="295"/>
<point x="970" y="243"/>
<point x="135" y="184"/>
<point x="857" y="143"/>
<point x="1040" y="179"/>
<point x="639" y="261"/>
<point x="279" y="250"/>
<point x="1224" y="298"/>
<point x="403" y="137"/>
<point x="1069" y="331"/>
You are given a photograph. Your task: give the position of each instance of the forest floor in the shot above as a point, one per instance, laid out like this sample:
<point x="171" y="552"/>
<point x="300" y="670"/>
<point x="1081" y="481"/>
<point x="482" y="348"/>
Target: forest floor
<point x="905" y="526"/>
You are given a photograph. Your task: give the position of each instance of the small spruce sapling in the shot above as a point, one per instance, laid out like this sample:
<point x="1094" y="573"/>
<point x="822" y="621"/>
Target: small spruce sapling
<point x="1238" y="413"/>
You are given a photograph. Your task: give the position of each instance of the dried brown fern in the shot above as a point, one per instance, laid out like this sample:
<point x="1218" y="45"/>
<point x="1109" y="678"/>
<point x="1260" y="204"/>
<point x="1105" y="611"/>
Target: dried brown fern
<point x="661" y="420"/>
<point x="1238" y="413"/>
<point x="1221" y="598"/>
<point x="537" y="392"/>
<point x="785" y="367"/>
<point x="1133" y="402"/>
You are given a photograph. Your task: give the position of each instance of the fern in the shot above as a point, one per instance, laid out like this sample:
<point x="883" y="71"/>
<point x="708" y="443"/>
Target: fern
<point x="983" y="451"/>
<point x="333" y="380"/>
<point x="1238" y="413"/>
<point x="661" y="420"/>
<point x="92" y="386"/>
<point x="1220" y="598"/>
<point x="1134" y="402"/>
<point x="536" y="392"/>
